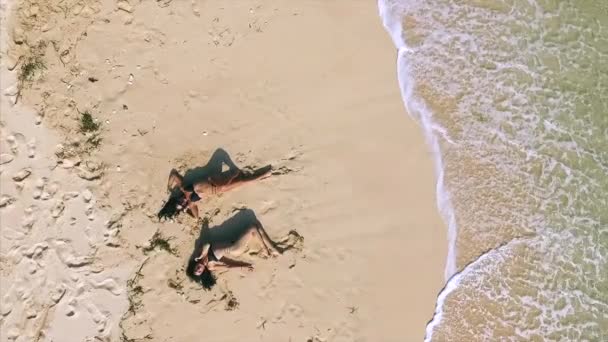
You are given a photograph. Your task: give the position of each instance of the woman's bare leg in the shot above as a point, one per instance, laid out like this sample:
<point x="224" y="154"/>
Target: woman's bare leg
<point x="217" y="160"/>
<point x="271" y="246"/>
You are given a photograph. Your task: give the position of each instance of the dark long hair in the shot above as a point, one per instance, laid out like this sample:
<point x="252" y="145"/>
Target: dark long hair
<point x="169" y="209"/>
<point x="206" y="279"/>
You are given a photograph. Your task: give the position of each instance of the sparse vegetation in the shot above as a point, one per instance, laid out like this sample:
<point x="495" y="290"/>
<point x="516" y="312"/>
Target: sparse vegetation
<point x="158" y="241"/>
<point x="94" y="140"/>
<point x="134" y="290"/>
<point x="231" y="302"/>
<point x="29" y="69"/>
<point x="87" y="123"/>
<point x="174" y="284"/>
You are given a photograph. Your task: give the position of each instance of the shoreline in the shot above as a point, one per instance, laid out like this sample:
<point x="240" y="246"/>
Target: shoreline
<point x="357" y="179"/>
<point x="406" y="85"/>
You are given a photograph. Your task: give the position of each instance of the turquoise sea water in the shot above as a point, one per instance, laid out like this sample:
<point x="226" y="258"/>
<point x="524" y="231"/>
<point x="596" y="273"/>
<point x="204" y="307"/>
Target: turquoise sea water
<point x="513" y="96"/>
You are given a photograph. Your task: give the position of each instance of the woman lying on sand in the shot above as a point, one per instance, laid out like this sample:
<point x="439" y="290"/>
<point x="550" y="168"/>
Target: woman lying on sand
<point x="216" y="247"/>
<point x="205" y="181"/>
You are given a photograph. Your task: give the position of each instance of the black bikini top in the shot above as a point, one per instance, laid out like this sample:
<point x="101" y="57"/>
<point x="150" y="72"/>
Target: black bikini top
<point x="194" y="197"/>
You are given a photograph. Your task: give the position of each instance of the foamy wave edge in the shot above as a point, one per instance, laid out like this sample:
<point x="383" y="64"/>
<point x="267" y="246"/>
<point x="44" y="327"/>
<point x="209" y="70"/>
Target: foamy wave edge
<point x="432" y="131"/>
<point x="456" y="279"/>
<point x="417" y="109"/>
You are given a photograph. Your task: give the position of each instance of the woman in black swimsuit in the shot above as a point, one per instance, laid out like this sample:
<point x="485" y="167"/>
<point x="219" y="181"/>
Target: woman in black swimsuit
<point x="206" y="180"/>
<point x="231" y="238"/>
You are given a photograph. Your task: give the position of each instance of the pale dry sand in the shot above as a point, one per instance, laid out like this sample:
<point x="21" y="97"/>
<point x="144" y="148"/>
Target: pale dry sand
<point x="307" y="86"/>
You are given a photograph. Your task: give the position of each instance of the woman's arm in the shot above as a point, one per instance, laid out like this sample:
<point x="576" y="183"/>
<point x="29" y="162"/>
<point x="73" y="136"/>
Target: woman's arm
<point x="229" y="263"/>
<point x="204" y="254"/>
<point x="193" y="210"/>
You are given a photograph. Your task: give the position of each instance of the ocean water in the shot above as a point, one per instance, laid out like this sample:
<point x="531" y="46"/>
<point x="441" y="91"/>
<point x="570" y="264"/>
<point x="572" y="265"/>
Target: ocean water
<point x="513" y="97"/>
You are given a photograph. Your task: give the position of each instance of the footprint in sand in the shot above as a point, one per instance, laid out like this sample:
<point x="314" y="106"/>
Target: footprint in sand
<point x="29" y="217"/>
<point x="87" y="196"/>
<point x="38" y="187"/>
<point x="6" y="200"/>
<point x="70" y="195"/>
<point x="22" y="174"/>
<point x="31" y="148"/>
<point x="66" y="254"/>
<point x="11" y="234"/>
<point x="71" y="307"/>
<point x="36" y="250"/>
<point x="57" y="294"/>
<point x="109" y="285"/>
<point x="99" y="317"/>
<point x="6" y="158"/>
<point x="11" y="140"/>
<point x="7" y="303"/>
<point x="57" y="209"/>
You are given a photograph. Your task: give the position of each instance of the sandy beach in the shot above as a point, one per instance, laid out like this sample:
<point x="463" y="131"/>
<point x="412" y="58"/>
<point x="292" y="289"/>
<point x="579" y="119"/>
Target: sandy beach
<point x="309" y="87"/>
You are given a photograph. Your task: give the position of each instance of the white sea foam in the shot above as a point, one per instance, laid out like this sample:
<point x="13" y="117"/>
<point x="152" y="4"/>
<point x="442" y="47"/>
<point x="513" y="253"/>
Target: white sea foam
<point x="419" y="111"/>
<point x="454" y="282"/>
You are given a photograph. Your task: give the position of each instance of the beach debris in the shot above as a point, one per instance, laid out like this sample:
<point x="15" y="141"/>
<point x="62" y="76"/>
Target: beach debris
<point x="160" y="242"/>
<point x="93" y="79"/>
<point x="23" y="174"/>
<point x="6" y="158"/>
